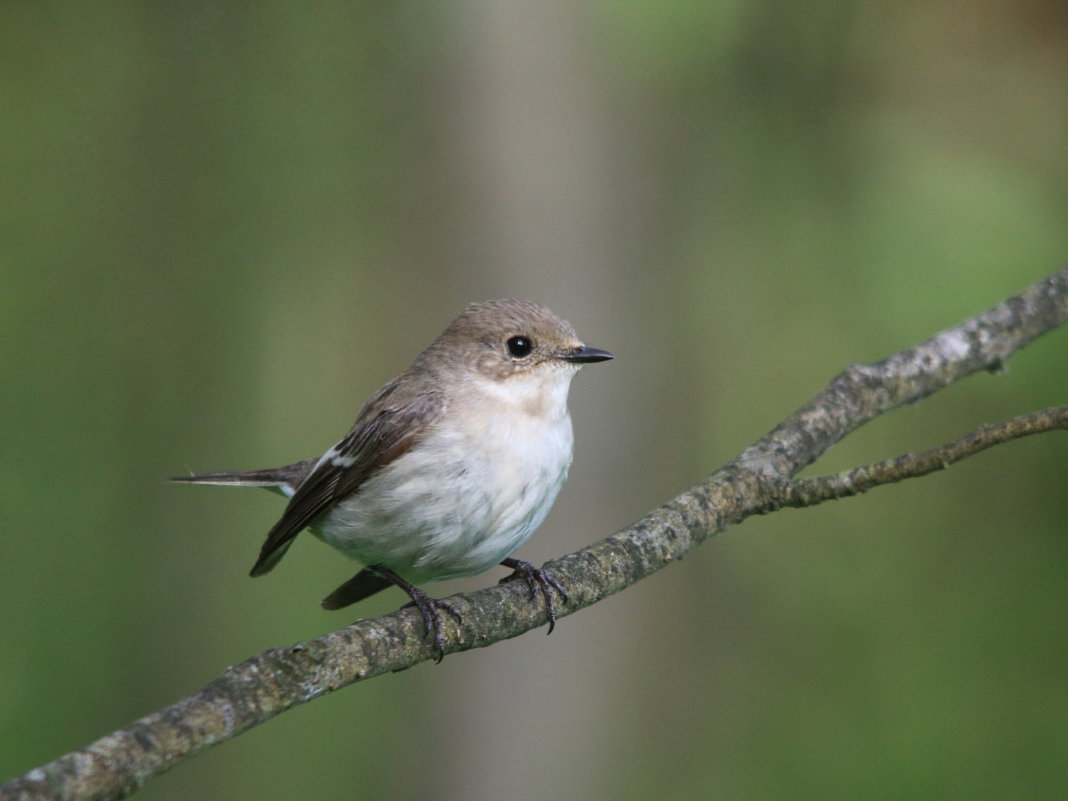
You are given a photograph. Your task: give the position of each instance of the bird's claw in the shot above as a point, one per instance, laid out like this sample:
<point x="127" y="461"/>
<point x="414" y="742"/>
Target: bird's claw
<point x="537" y="579"/>
<point x="430" y="609"/>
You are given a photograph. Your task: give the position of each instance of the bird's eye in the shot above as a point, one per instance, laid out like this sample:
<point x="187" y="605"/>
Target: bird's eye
<point x="519" y="347"/>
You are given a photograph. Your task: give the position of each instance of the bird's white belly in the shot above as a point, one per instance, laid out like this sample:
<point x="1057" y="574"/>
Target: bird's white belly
<point x="452" y="506"/>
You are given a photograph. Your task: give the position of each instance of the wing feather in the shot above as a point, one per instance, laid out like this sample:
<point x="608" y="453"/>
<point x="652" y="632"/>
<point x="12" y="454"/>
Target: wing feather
<point x="392" y="421"/>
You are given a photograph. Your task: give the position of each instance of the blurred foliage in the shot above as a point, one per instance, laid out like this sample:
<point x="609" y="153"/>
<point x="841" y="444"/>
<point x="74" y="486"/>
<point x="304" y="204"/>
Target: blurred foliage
<point x="225" y="224"/>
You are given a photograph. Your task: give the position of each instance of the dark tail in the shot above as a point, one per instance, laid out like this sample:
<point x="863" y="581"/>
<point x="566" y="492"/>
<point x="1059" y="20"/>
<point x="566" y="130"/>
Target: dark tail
<point x="285" y="479"/>
<point x="363" y="585"/>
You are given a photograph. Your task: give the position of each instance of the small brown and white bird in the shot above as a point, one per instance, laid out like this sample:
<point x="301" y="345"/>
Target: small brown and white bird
<point x="449" y="468"/>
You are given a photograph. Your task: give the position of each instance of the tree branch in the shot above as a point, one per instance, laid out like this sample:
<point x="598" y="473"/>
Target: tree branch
<point x="758" y="481"/>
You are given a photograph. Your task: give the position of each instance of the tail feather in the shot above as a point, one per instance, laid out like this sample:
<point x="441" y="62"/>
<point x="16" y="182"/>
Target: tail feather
<point x="364" y="584"/>
<point x="286" y="479"/>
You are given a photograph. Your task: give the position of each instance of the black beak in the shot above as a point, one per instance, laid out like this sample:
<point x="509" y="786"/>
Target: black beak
<point x="585" y="355"/>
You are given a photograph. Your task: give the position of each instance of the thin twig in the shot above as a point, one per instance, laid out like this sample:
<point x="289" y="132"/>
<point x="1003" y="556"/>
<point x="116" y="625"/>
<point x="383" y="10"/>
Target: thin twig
<point x="810" y="491"/>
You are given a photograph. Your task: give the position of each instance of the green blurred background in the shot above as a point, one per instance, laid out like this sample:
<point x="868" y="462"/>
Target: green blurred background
<point x="224" y="224"/>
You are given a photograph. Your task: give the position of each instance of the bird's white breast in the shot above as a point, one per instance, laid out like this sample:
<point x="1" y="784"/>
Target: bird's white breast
<point x="473" y="488"/>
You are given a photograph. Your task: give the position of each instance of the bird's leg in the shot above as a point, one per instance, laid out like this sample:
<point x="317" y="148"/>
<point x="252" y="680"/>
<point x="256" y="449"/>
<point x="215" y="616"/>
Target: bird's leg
<point x="537" y="579"/>
<point x="428" y="607"/>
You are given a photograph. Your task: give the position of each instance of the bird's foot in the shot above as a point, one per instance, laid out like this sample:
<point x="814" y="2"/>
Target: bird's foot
<point x="537" y="579"/>
<point x="429" y="608"/>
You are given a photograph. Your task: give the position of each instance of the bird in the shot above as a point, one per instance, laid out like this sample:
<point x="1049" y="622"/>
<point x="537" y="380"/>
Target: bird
<point x="449" y="467"/>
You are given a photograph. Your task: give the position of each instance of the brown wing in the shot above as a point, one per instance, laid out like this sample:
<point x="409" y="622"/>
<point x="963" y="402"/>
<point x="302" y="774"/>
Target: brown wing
<point x="391" y="422"/>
